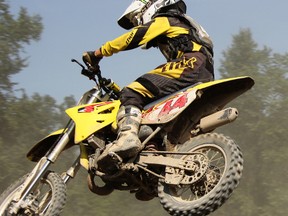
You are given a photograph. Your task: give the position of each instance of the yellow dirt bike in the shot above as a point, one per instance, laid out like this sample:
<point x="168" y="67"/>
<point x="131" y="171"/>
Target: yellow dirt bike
<point x="191" y="169"/>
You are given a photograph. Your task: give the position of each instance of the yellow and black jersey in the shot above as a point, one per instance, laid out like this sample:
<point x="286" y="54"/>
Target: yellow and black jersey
<point x="163" y="32"/>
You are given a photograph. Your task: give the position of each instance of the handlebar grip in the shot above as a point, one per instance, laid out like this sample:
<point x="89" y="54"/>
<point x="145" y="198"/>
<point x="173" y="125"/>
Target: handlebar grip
<point x="88" y="74"/>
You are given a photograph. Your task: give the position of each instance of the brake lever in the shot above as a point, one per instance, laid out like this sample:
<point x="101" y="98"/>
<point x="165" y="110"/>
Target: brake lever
<point x="74" y="60"/>
<point x="86" y="72"/>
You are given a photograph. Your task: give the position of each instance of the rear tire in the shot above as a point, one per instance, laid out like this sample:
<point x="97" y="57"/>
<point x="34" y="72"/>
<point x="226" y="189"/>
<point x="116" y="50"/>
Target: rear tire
<point x="214" y="187"/>
<point x="50" y="198"/>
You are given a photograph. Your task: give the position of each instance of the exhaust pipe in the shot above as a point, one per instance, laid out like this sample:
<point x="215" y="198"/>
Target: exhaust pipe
<point x="218" y="119"/>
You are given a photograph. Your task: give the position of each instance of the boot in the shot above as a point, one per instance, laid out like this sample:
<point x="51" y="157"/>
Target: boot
<point x="127" y="143"/>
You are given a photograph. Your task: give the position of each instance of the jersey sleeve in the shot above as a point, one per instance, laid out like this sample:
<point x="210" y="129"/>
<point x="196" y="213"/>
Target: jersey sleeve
<point x="138" y="36"/>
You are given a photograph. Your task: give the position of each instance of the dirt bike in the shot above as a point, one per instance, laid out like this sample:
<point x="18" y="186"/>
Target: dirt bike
<point x="190" y="168"/>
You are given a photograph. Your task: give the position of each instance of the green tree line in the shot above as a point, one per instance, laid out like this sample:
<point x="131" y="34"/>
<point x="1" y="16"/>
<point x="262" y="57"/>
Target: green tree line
<point x="260" y="129"/>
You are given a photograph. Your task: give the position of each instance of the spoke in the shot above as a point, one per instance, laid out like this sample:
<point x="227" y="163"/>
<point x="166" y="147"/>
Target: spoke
<point x="218" y="167"/>
<point x="217" y="163"/>
<point x="45" y="199"/>
<point x="196" y="195"/>
<point x="206" y="187"/>
<point x="213" y="156"/>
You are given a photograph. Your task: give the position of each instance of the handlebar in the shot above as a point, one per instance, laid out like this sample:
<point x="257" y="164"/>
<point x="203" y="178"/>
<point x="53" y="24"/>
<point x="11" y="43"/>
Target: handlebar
<point x="108" y="85"/>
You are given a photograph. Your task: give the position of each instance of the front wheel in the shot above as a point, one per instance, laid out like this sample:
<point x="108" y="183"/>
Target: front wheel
<point x="219" y="175"/>
<point x="48" y="198"/>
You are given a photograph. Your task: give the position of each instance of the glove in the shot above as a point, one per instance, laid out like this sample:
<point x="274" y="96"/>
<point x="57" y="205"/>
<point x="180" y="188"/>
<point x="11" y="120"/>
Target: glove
<point x="91" y="60"/>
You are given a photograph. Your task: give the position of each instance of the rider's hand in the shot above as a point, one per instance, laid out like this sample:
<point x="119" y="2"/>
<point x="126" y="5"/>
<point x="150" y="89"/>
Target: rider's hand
<point x="91" y="59"/>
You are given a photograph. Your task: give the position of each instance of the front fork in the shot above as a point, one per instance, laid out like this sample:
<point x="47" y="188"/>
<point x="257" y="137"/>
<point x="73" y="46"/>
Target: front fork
<point x="41" y="168"/>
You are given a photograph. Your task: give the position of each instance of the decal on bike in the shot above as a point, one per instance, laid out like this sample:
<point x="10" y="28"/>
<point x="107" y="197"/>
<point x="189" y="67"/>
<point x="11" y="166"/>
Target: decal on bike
<point x="170" y="108"/>
<point x="91" y="108"/>
<point x="172" y="104"/>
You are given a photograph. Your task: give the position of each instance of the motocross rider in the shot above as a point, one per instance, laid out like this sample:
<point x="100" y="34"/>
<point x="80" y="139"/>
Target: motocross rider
<point x="184" y="43"/>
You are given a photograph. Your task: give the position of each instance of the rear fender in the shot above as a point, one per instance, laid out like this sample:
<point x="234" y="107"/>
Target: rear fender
<point x="218" y="93"/>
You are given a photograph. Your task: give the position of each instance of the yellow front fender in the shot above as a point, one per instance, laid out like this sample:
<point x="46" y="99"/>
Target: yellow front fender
<point x="42" y="147"/>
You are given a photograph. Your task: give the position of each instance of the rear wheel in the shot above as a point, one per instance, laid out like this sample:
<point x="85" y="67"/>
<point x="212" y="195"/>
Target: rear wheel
<point x="219" y="170"/>
<point x="48" y="198"/>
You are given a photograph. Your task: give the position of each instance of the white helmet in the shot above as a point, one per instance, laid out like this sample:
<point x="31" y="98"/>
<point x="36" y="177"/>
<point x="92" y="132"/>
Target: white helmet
<point x="140" y="12"/>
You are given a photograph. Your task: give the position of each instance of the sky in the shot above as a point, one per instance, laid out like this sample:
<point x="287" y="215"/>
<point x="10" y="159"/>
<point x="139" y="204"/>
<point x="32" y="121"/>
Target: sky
<point x="72" y="27"/>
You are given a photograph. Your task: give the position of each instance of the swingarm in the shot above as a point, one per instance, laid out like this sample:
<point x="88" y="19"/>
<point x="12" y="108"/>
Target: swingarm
<point x="182" y="168"/>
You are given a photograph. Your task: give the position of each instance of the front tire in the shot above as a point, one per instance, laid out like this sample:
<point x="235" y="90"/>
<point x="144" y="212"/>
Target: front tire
<point x="48" y="198"/>
<point x="214" y="187"/>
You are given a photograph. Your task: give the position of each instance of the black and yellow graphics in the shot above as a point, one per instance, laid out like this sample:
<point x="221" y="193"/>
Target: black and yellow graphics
<point x="187" y="61"/>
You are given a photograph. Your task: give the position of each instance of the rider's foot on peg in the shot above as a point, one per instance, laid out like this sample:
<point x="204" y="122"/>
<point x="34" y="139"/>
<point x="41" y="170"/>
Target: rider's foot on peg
<point x="108" y="161"/>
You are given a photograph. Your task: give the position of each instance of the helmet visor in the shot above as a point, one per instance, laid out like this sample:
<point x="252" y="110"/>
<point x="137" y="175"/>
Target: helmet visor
<point x="127" y="20"/>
